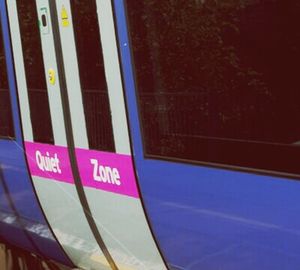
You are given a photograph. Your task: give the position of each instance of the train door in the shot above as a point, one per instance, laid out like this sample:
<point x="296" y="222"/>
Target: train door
<point x="90" y="138"/>
<point x="16" y="184"/>
<point x="40" y="91"/>
<point x="100" y="132"/>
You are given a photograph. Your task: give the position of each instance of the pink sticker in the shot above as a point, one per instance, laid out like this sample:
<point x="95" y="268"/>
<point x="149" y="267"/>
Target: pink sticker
<point x="107" y="171"/>
<point x="49" y="161"/>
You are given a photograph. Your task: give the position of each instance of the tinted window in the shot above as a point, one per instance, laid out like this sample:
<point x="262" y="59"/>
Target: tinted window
<point x="6" y="121"/>
<point x="35" y="72"/>
<point x="92" y="76"/>
<point x="218" y="80"/>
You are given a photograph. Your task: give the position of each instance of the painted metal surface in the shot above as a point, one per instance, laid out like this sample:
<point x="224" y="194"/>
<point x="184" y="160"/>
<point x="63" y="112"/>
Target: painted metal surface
<point x="69" y="224"/>
<point x="49" y="164"/>
<point x="108" y="178"/>
<point x="207" y="218"/>
<point x="107" y="171"/>
<point x="19" y="69"/>
<point x="49" y="161"/>
<point x="113" y="76"/>
<point x="117" y="211"/>
<point x="11" y="229"/>
<point x="15" y="178"/>
<point x="73" y="82"/>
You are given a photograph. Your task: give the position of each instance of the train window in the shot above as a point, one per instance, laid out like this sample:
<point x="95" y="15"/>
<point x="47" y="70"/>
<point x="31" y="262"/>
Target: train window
<point x="6" y="120"/>
<point x="35" y="72"/>
<point x="92" y="76"/>
<point x="218" y="81"/>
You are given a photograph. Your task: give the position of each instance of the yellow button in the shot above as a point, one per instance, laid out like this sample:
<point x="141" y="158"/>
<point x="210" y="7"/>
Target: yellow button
<point x="51" y="74"/>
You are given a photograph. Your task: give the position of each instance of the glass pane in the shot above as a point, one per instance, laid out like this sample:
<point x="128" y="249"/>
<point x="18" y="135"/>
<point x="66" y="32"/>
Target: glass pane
<point x="224" y="70"/>
<point x="92" y="76"/>
<point x="35" y="72"/>
<point x="6" y="121"/>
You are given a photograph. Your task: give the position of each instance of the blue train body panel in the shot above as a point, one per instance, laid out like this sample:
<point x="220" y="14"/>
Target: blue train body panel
<point x="10" y="228"/>
<point x="217" y="219"/>
<point x="32" y="227"/>
<point x="202" y="217"/>
<point x="208" y="218"/>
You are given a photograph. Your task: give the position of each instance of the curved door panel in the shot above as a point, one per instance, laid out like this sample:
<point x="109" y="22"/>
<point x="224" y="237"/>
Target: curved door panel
<point x="24" y="216"/>
<point x="100" y="132"/>
<point x="15" y="175"/>
<point x="44" y="130"/>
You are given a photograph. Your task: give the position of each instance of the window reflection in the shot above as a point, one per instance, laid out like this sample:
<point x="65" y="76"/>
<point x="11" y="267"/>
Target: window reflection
<point x="216" y="70"/>
<point x="92" y="76"/>
<point x="6" y="121"/>
<point x="35" y="72"/>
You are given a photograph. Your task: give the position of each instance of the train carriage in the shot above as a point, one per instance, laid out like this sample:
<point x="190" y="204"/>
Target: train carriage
<point x="151" y="134"/>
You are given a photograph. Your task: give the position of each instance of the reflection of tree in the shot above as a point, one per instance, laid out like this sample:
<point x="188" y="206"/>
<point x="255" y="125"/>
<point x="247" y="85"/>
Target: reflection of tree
<point x="92" y="77"/>
<point x="88" y="43"/>
<point x="6" y="122"/>
<point x="217" y="63"/>
<point x="35" y="71"/>
<point x="3" y="79"/>
<point x="31" y="44"/>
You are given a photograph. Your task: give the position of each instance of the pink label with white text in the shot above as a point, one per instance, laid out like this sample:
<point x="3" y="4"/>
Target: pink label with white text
<point x="49" y="161"/>
<point x="107" y="171"/>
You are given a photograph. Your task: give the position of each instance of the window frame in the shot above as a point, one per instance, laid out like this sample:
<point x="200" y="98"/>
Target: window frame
<point x="258" y="154"/>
